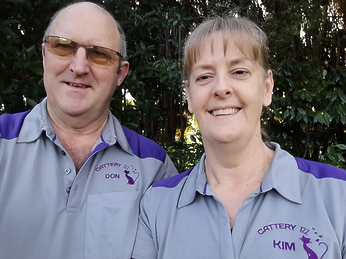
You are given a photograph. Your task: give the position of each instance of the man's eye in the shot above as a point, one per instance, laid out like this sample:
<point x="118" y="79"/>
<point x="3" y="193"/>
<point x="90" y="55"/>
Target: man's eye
<point x="64" y="46"/>
<point x="100" y="53"/>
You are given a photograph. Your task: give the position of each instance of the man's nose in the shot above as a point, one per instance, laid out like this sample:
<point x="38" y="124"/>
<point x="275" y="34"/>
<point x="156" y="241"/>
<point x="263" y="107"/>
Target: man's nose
<point x="80" y="64"/>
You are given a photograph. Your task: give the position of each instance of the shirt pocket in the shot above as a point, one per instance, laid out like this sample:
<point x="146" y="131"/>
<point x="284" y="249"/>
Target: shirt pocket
<point x="111" y="224"/>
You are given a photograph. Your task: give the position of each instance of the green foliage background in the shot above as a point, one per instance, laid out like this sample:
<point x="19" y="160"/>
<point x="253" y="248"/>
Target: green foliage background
<point x="307" y="53"/>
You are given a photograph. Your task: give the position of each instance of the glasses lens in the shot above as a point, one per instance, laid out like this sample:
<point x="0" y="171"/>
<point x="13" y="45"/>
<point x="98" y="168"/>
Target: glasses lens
<point x="61" y="46"/>
<point x="95" y="54"/>
<point x="101" y="55"/>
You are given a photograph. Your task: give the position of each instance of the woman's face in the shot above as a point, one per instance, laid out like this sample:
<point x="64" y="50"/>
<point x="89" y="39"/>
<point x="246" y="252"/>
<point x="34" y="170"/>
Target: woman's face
<point x="226" y="92"/>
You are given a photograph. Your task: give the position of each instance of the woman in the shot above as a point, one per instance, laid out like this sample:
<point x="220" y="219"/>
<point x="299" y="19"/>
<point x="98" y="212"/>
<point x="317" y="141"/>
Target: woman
<point x="245" y="198"/>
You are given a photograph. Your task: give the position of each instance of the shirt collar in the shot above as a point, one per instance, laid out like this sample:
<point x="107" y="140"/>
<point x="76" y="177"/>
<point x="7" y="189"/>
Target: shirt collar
<point x="196" y="182"/>
<point x="37" y="121"/>
<point x="114" y="133"/>
<point x="282" y="176"/>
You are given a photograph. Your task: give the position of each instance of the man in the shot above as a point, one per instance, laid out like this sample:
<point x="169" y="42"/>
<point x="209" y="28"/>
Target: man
<point x="71" y="176"/>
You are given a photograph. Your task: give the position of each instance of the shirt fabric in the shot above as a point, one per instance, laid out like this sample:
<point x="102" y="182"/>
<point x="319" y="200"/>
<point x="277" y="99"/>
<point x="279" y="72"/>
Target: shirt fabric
<point x="298" y="212"/>
<point x="48" y="211"/>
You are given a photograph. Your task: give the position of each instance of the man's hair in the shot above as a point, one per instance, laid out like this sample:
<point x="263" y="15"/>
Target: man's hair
<point x="245" y="34"/>
<point x="122" y="42"/>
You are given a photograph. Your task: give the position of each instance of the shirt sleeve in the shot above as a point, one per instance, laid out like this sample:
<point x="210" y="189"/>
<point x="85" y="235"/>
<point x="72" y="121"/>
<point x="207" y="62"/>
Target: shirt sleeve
<point x="144" y="247"/>
<point x="343" y="249"/>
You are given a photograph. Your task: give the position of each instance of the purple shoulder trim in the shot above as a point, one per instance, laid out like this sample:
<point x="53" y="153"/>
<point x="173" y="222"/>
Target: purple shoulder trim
<point x="173" y="181"/>
<point x="144" y="147"/>
<point x="11" y="124"/>
<point x="320" y="170"/>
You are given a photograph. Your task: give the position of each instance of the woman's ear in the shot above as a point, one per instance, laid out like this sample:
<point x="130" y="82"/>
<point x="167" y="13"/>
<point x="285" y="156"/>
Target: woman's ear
<point x="269" y="86"/>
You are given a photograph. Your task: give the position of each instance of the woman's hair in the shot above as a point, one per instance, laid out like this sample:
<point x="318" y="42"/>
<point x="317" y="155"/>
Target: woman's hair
<point x="245" y="34"/>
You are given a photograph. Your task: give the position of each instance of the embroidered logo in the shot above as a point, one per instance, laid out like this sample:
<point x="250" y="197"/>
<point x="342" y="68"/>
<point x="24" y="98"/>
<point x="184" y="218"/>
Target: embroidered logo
<point x="311" y="253"/>
<point x="131" y="175"/>
<point x="129" y="172"/>
<point x="309" y="240"/>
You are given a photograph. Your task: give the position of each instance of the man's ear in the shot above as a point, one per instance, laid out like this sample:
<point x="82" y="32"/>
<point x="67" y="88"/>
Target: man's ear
<point x="122" y="72"/>
<point x="269" y="86"/>
<point x="43" y="55"/>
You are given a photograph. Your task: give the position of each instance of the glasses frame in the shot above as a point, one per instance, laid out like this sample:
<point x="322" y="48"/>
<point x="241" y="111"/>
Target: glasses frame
<point x="78" y="45"/>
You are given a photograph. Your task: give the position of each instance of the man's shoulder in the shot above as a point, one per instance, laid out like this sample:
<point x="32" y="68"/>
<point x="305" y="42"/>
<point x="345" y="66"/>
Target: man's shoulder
<point x="144" y="147"/>
<point x="11" y="124"/>
<point x="173" y="181"/>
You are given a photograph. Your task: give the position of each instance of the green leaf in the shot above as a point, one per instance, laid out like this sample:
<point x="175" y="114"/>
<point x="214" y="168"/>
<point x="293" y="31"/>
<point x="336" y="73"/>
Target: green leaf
<point x="303" y="125"/>
<point x="299" y="116"/>
<point x="318" y="118"/>
<point x="31" y="102"/>
<point x="8" y="91"/>
<point x="324" y="73"/>
<point x="286" y="113"/>
<point x="293" y="115"/>
<point x="342" y="96"/>
<point x="37" y="70"/>
<point x="302" y="111"/>
<point x="341" y="158"/>
<point x="340" y="146"/>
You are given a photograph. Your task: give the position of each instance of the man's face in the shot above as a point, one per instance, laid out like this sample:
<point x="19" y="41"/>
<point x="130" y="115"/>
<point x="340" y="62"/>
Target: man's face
<point x="74" y="86"/>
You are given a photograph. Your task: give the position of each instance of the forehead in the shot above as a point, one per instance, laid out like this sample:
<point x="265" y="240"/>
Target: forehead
<point x="225" y="42"/>
<point x="87" y="24"/>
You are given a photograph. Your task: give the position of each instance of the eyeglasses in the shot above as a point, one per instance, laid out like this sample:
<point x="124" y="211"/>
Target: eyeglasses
<point x="67" y="48"/>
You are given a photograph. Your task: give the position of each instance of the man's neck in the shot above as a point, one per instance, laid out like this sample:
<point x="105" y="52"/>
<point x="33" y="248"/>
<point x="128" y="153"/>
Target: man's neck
<point x="78" y="138"/>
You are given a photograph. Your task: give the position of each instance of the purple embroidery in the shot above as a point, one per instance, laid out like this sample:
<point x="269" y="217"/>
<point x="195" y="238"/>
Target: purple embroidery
<point x="309" y="251"/>
<point x="131" y="177"/>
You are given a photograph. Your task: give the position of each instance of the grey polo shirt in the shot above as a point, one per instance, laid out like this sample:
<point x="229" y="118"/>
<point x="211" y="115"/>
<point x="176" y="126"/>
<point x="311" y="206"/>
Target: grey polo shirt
<point x="47" y="211"/>
<point x="297" y="212"/>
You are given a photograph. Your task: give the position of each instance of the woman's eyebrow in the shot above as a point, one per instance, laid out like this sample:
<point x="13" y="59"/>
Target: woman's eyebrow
<point x="202" y="66"/>
<point x="239" y="61"/>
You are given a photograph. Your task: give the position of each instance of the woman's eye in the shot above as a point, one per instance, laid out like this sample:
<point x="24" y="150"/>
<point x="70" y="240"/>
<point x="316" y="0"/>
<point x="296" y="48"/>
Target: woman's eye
<point x="203" y="78"/>
<point x="241" y="73"/>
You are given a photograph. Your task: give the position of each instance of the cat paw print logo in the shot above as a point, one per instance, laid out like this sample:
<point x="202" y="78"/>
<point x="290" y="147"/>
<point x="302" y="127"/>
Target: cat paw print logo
<point x="131" y="176"/>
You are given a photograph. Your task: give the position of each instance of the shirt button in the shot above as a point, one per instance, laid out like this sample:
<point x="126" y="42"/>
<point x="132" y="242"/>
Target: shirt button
<point x="67" y="170"/>
<point x="68" y="189"/>
<point x="63" y="152"/>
